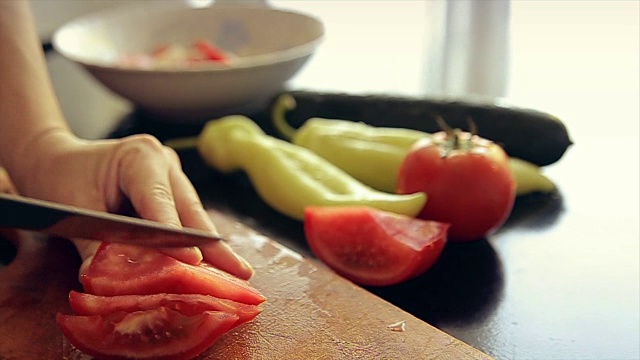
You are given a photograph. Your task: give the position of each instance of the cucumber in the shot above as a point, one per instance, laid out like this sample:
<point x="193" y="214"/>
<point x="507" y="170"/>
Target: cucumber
<point x="528" y="134"/>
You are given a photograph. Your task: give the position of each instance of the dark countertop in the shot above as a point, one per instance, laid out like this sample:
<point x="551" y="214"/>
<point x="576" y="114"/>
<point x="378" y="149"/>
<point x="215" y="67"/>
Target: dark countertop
<point x="559" y="281"/>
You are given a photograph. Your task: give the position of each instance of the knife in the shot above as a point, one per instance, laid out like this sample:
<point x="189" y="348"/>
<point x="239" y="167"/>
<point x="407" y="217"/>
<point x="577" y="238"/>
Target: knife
<point x="74" y="222"/>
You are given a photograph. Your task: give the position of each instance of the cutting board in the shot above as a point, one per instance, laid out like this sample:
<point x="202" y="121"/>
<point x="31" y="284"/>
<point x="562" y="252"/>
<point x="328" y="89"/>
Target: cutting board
<point x="311" y="313"/>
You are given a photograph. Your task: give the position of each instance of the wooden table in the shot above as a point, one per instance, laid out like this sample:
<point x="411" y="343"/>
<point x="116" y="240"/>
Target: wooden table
<point x="559" y="281"/>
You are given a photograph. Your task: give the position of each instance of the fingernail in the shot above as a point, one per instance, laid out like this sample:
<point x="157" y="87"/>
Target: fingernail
<point x="190" y="255"/>
<point x="246" y="266"/>
<point x="197" y="252"/>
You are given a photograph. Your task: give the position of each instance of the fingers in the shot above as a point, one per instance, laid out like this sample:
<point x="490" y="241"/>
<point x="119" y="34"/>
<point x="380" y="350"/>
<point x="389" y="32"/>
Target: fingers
<point x="145" y="168"/>
<point x="143" y="176"/>
<point x="190" y="255"/>
<point x="151" y="176"/>
<point x="86" y="250"/>
<point x="192" y="214"/>
<point x="84" y="267"/>
<point x="223" y="257"/>
<point x="6" y="186"/>
<point x="187" y="202"/>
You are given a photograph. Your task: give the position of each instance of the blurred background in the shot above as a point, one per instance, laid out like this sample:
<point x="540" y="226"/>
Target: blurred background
<point x="551" y="55"/>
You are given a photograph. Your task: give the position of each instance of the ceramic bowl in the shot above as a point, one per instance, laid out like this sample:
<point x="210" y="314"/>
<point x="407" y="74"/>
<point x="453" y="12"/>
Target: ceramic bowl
<point x="269" y="46"/>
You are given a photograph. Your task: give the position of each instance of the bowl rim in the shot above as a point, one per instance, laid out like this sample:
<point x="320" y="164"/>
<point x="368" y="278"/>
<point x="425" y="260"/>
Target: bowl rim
<point x="266" y="59"/>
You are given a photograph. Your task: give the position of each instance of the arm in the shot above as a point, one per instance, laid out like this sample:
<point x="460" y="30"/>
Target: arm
<point x="28" y="107"/>
<point x="46" y="160"/>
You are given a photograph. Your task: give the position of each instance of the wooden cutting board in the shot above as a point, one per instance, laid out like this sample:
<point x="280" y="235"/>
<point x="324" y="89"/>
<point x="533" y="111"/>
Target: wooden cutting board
<point x="310" y="313"/>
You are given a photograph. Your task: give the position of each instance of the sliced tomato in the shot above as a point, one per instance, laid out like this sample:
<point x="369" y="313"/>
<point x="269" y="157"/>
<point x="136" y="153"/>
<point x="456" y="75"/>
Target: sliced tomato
<point x="118" y="269"/>
<point x="185" y="304"/>
<point x="371" y="246"/>
<point x="209" y="51"/>
<point x="149" y="334"/>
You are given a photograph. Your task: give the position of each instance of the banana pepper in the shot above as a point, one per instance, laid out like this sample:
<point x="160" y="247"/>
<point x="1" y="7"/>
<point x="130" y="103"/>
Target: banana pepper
<point x="289" y="177"/>
<point x="370" y="154"/>
<point x="373" y="155"/>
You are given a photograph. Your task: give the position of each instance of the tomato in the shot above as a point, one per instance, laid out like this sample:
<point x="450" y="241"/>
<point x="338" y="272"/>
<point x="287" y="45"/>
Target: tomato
<point x="467" y="180"/>
<point x="118" y="269"/>
<point x="159" y="334"/>
<point x="209" y="51"/>
<point x="185" y="304"/>
<point x="160" y="50"/>
<point x="371" y="246"/>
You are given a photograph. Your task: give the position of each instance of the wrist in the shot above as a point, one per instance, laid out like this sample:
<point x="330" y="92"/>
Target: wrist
<point x="31" y="161"/>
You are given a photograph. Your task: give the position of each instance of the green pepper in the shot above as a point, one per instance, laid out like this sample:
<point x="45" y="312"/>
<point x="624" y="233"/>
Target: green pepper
<point x="289" y="177"/>
<point x="373" y="155"/>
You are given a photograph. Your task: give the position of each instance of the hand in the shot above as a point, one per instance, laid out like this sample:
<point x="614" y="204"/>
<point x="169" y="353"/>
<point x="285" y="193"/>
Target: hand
<point x="111" y="175"/>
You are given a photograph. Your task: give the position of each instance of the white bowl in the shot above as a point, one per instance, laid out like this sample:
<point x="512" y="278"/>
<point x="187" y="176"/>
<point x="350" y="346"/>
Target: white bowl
<point x="271" y="46"/>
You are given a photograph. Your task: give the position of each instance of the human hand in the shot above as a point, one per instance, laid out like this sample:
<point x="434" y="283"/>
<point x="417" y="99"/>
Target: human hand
<point x="111" y="175"/>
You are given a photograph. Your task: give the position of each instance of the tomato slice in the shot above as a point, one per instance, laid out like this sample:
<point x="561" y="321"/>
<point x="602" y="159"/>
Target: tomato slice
<point x="371" y="246"/>
<point x="209" y="51"/>
<point x="149" y="334"/>
<point x="118" y="269"/>
<point x="185" y="304"/>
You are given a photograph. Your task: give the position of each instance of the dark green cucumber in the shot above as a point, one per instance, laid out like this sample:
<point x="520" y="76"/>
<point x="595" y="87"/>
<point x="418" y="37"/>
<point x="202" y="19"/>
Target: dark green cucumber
<point x="527" y="134"/>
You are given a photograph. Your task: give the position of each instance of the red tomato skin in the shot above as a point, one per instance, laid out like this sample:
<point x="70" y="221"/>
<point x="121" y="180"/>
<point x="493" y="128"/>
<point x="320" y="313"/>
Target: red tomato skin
<point x="118" y="269"/>
<point x="185" y="304"/>
<point x="474" y="192"/>
<point x="96" y="335"/>
<point x="209" y="51"/>
<point x="373" y="247"/>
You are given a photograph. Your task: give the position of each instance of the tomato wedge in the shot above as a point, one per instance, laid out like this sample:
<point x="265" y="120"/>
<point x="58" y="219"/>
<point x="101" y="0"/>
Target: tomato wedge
<point x="149" y="334"/>
<point x="371" y="246"/>
<point x="119" y="269"/>
<point x="185" y="304"/>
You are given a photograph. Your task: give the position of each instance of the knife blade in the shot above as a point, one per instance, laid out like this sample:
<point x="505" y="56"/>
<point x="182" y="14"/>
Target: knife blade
<point x="73" y="222"/>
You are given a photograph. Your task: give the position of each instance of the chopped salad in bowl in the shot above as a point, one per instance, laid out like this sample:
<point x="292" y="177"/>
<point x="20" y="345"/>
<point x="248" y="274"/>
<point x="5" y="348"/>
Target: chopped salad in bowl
<point x="190" y="64"/>
<point x="175" y="55"/>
